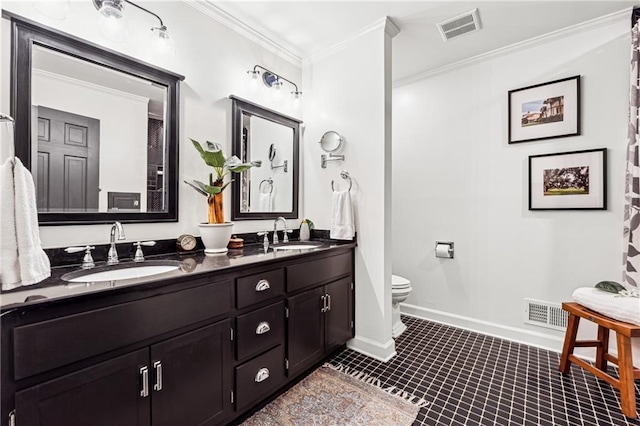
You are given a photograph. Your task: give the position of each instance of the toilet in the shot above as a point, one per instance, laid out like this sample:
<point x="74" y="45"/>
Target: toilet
<point x="400" y="289"/>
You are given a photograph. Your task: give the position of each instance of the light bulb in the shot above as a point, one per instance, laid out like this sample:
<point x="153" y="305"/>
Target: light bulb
<point x="54" y="9"/>
<point x="296" y="98"/>
<point x="277" y="93"/>
<point x="253" y="78"/>
<point x="162" y="42"/>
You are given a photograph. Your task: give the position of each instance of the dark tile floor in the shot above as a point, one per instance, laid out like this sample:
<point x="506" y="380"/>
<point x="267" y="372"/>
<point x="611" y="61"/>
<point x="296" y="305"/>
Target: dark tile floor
<point x="474" y="379"/>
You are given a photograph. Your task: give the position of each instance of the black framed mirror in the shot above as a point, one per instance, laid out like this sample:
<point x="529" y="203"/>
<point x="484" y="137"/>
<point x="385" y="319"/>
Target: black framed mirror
<point x="97" y="129"/>
<point x="271" y="190"/>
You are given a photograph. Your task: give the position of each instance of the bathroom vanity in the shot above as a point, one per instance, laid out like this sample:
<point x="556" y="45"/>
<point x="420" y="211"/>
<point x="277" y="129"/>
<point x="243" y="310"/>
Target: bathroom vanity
<point x="199" y="346"/>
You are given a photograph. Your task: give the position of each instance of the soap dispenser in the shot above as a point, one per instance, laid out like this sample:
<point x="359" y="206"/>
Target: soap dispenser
<point x="305" y="230"/>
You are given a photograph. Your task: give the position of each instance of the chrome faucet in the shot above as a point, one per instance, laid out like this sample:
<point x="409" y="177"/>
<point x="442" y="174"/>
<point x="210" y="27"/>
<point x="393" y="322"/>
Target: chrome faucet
<point x="285" y="239"/>
<point x="112" y="256"/>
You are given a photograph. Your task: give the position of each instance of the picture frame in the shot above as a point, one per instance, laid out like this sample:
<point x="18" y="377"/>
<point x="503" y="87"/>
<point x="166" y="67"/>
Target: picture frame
<point x="545" y="111"/>
<point x="574" y="180"/>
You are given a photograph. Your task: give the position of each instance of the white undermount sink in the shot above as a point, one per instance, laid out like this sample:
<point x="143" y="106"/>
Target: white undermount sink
<point x="296" y="247"/>
<point x="116" y="273"/>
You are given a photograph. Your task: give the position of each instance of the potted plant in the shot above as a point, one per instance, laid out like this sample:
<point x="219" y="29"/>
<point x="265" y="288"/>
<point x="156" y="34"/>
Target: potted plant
<point x="216" y="232"/>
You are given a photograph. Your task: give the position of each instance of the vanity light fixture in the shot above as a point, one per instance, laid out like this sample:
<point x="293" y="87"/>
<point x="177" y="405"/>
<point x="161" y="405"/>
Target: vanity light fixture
<point x="273" y="81"/>
<point x="114" y="26"/>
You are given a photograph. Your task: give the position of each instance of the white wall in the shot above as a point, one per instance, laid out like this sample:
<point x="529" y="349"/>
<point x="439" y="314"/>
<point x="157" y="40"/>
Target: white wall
<point x="348" y="91"/>
<point x="123" y="129"/>
<point x="456" y="178"/>
<point x="213" y="58"/>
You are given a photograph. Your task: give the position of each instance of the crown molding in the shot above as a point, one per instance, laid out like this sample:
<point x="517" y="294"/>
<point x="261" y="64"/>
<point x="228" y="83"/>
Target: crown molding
<point x="386" y="24"/>
<point x="208" y="8"/>
<point x="602" y="21"/>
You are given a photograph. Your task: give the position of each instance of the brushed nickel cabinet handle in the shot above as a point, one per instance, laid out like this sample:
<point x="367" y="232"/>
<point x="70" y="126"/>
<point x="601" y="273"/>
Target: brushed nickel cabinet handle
<point x="158" y="367"/>
<point x="144" y="371"/>
<point x="262" y="375"/>
<point x="328" y="302"/>
<point x="324" y="303"/>
<point x="262" y="285"/>
<point x="263" y="327"/>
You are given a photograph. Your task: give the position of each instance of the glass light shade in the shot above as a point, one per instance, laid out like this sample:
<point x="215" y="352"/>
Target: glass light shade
<point x="54" y="9"/>
<point x="162" y="42"/>
<point x="113" y="28"/>
<point x="296" y="98"/>
<point x="275" y="87"/>
<point x="112" y="9"/>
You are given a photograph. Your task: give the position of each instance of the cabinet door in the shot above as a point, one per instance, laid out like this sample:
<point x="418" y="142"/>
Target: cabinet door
<point x="306" y="330"/>
<point x="105" y="394"/>
<point x="340" y="314"/>
<point x="191" y="377"/>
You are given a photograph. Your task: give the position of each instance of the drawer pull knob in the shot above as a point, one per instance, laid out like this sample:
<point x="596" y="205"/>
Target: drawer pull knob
<point x="263" y="327"/>
<point x="262" y="285"/>
<point x="262" y="375"/>
<point x="144" y="371"/>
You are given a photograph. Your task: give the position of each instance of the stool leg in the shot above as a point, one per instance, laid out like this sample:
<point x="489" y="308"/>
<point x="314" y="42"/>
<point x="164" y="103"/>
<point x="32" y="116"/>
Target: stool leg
<point x="625" y="366"/>
<point x="569" y="343"/>
<point x="603" y="349"/>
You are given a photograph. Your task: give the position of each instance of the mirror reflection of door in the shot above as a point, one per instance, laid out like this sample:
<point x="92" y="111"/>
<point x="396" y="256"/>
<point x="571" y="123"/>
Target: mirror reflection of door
<point x="67" y="173"/>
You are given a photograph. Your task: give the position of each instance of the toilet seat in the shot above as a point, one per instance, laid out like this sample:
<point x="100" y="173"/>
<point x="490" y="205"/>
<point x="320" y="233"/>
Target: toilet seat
<point x="398" y="282"/>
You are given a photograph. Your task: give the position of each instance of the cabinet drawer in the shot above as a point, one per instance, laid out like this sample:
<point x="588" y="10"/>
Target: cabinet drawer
<point x="259" y="330"/>
<point x="259" y="287"/>
<point x="318" y="272"/>
<point x="46" y="345"/>
<point x="259" y="377"/>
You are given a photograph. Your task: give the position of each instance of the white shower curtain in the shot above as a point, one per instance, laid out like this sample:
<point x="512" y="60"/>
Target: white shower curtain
<point x="632" y="175"/>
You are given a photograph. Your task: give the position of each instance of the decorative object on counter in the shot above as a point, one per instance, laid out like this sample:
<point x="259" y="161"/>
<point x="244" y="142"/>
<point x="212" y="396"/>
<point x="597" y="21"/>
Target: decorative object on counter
<point x="235" y="242"/>
<point x="333" y="397"/>
<point x="330" y="142"/>
<point x="342" y="215"/>
<point x="22" y="259"/>
<point x="568" y="180"/>
<point x="215" y="234"/>
<point x="87" y="259"/>
<point x="544" y="111"/>
<point x="186" y="243"/>
<point x="305" y="229"/>
<point x="139" y="256"/>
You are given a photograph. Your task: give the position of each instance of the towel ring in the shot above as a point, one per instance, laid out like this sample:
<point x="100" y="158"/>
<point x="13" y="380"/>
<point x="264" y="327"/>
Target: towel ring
<point x="344" y="175"/>
<point x="268" y="182"/>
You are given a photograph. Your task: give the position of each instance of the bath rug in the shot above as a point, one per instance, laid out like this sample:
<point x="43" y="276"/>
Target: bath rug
<point x="338" y="396"/>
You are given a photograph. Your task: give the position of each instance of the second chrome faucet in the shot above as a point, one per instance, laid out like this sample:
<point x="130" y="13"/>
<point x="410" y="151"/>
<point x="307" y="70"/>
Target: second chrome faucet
<point x="112" y="255"/>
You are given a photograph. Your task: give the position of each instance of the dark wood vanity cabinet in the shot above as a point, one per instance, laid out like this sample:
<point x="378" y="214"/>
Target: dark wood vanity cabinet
<point x="184" y="380"/>
<point x="201" y="351"/>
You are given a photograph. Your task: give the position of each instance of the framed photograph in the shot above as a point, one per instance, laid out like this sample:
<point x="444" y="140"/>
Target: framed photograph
<point x="544" y="111"/>
<point x="568" y="180"/>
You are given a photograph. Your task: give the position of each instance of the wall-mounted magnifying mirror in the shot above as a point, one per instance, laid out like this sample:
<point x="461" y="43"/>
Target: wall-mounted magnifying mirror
<point x="272" y="152"/>
<point x="331" y="142"/>
<point x="262" y="134"/>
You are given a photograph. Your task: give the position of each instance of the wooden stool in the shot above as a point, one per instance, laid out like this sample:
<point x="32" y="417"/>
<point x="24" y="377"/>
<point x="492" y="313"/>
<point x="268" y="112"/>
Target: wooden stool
<point x="624" y="333"/>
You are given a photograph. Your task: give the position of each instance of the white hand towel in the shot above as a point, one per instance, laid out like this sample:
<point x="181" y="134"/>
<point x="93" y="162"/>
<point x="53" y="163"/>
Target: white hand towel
<point x="9" y="266"/>
<point x="342" y="219"/>
<point x="265" y="201"/>
<point x="34" y="263"/>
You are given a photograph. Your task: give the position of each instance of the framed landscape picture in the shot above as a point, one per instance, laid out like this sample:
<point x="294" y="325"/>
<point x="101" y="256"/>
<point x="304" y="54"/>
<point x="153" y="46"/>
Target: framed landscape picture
<point x="544" y="111"/>
<point x="568" y="180"/>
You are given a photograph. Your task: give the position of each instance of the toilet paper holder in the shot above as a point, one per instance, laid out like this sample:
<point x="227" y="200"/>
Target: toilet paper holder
<point x="444" y="249"/>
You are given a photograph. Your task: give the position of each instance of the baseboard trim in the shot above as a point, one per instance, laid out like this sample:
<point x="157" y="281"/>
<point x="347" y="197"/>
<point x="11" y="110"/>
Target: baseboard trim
<point x="373" y="349"/>
<point x="514" y="334"/>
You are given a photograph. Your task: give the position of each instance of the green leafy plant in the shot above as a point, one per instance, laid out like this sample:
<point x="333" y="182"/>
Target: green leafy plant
<point x="214" y="157"/>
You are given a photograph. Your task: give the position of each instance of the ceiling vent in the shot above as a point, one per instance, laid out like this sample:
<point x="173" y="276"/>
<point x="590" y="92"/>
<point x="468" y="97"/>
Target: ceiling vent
<point x="459" y="25"/>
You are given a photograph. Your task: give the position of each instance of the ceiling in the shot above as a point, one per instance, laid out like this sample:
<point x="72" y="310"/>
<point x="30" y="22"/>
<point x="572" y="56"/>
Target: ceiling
<point x="306" y="27"/>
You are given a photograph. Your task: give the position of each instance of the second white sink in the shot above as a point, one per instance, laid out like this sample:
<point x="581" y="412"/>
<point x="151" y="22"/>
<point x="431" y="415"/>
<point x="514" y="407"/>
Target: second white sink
<point x="296" y="247"/>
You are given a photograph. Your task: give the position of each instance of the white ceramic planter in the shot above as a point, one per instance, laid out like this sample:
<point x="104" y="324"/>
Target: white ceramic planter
<point x="215" y="236"/>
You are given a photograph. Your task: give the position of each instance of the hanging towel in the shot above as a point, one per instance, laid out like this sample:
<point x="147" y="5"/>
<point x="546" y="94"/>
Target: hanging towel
<point x="342" y="220"/>
<point x="265" y="200"/>
<point x="9" y="266"/>
<point x="34" y="263"/>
